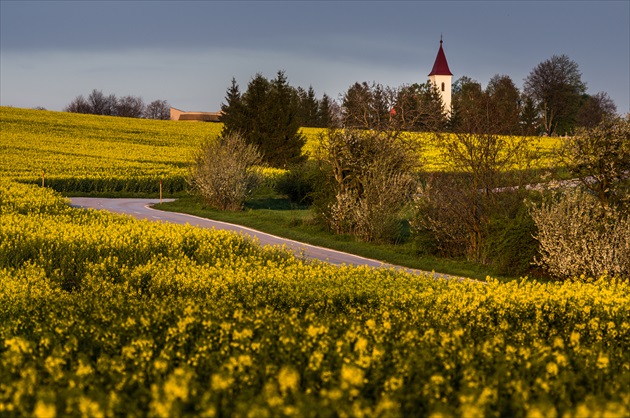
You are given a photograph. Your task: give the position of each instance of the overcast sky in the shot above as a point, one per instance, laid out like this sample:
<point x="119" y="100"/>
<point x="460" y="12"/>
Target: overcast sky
<point x="186" y="52"/>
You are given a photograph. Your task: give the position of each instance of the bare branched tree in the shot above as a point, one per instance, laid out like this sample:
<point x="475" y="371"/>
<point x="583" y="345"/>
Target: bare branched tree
<point x="486" y="166"/>
<point x="595" y="109"/>
<point x="130" y="107"/>
<point x="600" y="158"/>
<point x="79" y="105"/>
<point x="371" y="179"/>
<point x="98" y="103"/>
<point x="224" y="171"/>
<point x="418" y="108"/>
<point x="415" y="107"/>
<point x="158" y="109"/>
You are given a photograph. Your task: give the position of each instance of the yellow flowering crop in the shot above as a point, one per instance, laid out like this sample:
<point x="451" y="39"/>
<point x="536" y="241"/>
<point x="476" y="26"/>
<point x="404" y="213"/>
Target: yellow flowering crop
<point x="105" y="315"/>
<point x="88" y="153"/>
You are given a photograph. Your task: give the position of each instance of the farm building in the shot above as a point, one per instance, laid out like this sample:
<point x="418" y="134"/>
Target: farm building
<point x="177" y="114"/>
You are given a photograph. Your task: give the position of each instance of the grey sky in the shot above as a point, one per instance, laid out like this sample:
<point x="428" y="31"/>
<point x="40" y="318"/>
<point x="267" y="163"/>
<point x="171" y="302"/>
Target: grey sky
<point x="187" y="51"/>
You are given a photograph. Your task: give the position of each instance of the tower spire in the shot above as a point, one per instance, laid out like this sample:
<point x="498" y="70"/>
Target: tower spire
<point x="440" y="67"/>
<point x="441" y="77"/>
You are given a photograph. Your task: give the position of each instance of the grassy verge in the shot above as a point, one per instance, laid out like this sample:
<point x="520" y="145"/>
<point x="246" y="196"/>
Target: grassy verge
<point x="276" y="215"/>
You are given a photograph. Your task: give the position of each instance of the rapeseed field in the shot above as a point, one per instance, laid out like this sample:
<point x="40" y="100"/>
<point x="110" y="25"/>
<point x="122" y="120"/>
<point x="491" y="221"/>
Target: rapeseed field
<point x="104" y="315"/>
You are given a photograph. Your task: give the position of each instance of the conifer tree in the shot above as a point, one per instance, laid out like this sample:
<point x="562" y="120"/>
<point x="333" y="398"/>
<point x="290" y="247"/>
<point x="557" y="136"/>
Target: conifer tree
<point x="285" y="142"/>
<point x="267" y="115"/>
<point x="325" y="112"/>
<point x="232" y="111"/>
<point x="308" y="106"/>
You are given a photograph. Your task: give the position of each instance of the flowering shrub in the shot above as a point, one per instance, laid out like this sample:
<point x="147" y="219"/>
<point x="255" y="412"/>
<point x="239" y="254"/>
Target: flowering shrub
<point x="224" y="172"/>
<point x="580" y="237"/>
<point x="104" y="315"/>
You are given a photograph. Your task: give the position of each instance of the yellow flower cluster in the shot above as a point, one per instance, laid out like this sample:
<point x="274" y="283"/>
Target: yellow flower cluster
<point x="85" y="153"/>
<point x="104" y="315"/>
<point x="88" y="153"/>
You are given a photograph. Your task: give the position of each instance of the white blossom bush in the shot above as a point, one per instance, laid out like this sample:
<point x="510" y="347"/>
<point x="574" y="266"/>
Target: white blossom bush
<point x="580" y="237"/>
<point x="225" y="172"/>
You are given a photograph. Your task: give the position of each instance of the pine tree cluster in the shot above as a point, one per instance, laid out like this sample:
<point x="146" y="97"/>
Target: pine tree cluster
<point x="270" y="114"/>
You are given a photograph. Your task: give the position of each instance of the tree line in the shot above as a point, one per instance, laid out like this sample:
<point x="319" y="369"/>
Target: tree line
<point x="366" y="178"/>
<point x="270" y="113"/>
<point x="97" y="103"/>
<point x="554" y="101"/>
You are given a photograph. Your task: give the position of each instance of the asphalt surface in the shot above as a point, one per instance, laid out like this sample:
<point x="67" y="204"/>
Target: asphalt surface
<point x="141" y="209"/>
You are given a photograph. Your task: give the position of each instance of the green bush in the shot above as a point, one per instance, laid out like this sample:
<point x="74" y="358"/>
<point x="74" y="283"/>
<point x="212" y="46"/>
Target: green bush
<point x="300" y="183"/>
<point x="510" y="245"/>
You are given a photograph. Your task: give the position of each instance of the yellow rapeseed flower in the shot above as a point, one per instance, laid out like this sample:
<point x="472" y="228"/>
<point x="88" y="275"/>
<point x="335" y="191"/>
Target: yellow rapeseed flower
<point x="288" y="379"/>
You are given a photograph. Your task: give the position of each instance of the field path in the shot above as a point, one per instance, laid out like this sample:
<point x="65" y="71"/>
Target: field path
<point x="141" y="209"/>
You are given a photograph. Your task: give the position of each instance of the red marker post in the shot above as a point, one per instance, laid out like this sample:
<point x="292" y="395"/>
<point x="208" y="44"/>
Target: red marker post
<point x="160" y="190"/>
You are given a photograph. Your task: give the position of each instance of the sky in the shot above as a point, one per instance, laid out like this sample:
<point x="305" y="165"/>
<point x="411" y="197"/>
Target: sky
<point x="187" y="52"/>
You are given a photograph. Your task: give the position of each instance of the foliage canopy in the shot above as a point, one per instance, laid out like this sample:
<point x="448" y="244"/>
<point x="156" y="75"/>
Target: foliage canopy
<point x="266" y="115"/>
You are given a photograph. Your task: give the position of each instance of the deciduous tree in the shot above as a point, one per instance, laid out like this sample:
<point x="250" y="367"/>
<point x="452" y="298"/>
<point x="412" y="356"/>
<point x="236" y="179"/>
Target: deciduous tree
<point x="371" y="179"/>
<point x="79" y="105"/>
<point x="600" y="158"/>
<point x="418" y="107"/>
<point x="457" y="209"/>
<point x="594" y="109"/>
<point x="505" y="100"/>
<point x="130" y="107"/>
<point x="224" y="171"/>
<point x="556" y="86"/>
<point x="578" y="236"/>
<point x="158" y="109"/>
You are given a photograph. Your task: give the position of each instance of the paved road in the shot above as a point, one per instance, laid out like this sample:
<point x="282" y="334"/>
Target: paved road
<point x="141" y="209"/>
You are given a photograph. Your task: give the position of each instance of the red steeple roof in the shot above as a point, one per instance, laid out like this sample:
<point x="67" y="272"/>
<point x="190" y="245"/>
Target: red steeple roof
<point x="440" y="67"/>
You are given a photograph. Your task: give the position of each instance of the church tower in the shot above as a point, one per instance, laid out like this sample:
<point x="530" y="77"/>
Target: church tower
<point x="441" y="77"/>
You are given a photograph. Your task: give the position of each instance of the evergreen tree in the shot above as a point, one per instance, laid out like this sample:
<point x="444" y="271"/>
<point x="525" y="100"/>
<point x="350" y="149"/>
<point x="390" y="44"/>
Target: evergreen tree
<point x="325" y="112"/>
<point x="302" y="111"/>
<point x="267" y="115"/>
<point x="530" y="124"/>
<point x="284" y="145"/>
<point x="232" y="111"/>
<point x="308" y="106"/>
<point x="257" y="119"/>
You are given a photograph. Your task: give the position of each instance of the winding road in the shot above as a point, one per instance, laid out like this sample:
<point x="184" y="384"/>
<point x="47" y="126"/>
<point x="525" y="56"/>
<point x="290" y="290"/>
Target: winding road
<point x="141" y="209"/>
